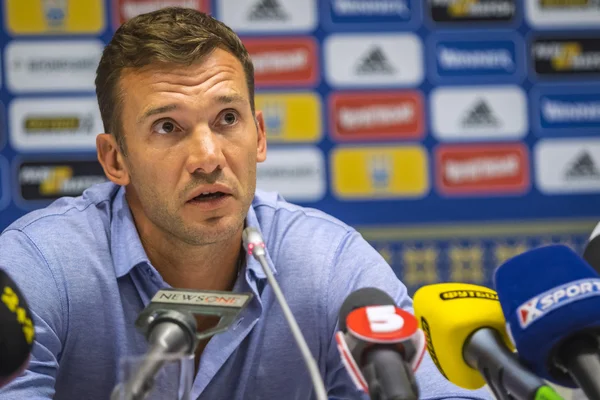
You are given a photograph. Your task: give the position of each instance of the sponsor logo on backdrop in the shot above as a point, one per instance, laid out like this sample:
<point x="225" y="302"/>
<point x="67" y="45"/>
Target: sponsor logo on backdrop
<point x="482" y="169"/>
<point x="35" y="17"/>
<point x="291" y="117"/>
<point x="567" y="111"/>
<point x="126" y="9"/>
<point x="472" y="10"/>
<point x="52" y="66"/>
<point x="284" y="62"/>
<point x="562" y="13"/>
<point x="376" y="115"/>
<point x="568" y="166"/>
<point x="583" y="167"/>
<point x="470" y="59"/>
<point x="566" y="56"/>
<point x="55" y="12"/>
<point x="54" y="124"/>
<point x="380" y="172"/>
<point x="370" y="7"/>
<point x="298" y="174"/>
<point x="374" y="60"/>
<point x="479" y="116"/>
<point x="40" y="180"/>
<point x="69" y="123"/>
<point x="370" y="12"/>
<point x="262" y="16"/>
<point x="267" y="10"/>
<point x="479" y="113"/>
<point x="562" y="111"/>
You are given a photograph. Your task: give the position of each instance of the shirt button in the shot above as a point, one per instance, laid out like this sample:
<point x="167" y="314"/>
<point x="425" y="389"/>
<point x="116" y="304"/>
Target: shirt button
<point x="238" y="323"/>
<point x="151" y="275"/>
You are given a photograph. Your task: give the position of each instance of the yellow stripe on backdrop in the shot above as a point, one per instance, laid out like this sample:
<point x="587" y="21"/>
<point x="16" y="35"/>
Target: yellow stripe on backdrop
<point x="480" y="229"/>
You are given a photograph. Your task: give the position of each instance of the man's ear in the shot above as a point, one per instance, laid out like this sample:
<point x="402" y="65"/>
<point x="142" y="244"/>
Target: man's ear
<point x="261" y="154"/>
<point x="112" y="160"/>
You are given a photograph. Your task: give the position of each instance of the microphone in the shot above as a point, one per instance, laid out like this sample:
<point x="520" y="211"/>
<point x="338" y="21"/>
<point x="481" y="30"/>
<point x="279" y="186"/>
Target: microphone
<point x="169" y="333"/>
<point x="380" y="344"/>
<point x="255" y="245"/>
<point x="591" y="254"/>
<point x="169" y="325"/>
<point x="550" y="298"/>
<point x="16" y="330"/>
<point x="467" y="340"/>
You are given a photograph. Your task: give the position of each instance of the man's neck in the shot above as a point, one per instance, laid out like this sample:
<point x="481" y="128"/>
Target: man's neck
<point x="183" y="265"/>
<point x="213" y="267"/>
<point x="209" y="267"/>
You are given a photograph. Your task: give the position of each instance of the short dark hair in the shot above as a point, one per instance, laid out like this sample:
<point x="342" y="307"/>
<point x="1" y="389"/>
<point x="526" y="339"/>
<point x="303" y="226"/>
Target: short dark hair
<point x="166" y="36"/>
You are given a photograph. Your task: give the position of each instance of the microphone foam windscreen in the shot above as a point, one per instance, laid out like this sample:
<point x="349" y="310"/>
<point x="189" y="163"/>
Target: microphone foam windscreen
<point x="547" y="294"/>
<point x="362" y="298"/>
<point x="16" y="328"/>
<point x="449" y="313"/>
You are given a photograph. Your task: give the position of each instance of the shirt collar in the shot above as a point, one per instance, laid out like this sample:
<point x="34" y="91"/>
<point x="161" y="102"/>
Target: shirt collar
<point x="252" y="264"/>
<point x="125" y="243"/>
<point x="127" y="249"/>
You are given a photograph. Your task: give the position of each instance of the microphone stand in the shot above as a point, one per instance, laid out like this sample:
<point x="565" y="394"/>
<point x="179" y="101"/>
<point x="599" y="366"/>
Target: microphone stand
<point x="581" y="357"/>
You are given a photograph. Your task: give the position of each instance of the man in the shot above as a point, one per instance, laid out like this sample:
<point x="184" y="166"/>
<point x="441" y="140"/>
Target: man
<point x="176" y="94"/>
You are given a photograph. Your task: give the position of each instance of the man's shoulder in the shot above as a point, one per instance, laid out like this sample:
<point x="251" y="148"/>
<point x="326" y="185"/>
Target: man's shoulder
<point x="62" y="245"/>
<point x="67" y="214"/>
<point x="303" y="239"/>
<point x="278" y="216"/>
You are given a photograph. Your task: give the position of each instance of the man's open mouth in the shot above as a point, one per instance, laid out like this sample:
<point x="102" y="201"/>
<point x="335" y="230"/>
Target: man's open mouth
<point x="208" y="196"/>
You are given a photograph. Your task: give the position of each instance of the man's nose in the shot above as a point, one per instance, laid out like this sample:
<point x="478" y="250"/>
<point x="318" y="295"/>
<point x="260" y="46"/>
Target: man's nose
<point x="205" y="152"/>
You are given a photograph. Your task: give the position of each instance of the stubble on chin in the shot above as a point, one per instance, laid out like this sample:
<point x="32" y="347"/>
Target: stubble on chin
<point x="201" y="231"/>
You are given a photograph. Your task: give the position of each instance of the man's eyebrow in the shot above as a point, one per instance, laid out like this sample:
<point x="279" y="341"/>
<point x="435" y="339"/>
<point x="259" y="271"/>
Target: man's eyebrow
<point x="223" y="99"/>
<point x="231" y="98"/>
<point x="157" y="110"/>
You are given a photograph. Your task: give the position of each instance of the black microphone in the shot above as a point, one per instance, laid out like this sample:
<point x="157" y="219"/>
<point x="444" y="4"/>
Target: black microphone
<point x="16" y="330"/>
<point x="169" y="325"/>
<point x="591" y="254"/>
<point x="381" y="345"/>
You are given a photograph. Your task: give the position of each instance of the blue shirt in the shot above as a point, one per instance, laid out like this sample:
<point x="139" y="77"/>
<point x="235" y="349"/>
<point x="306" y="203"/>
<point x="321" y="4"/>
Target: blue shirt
<point x="86" y="276"/>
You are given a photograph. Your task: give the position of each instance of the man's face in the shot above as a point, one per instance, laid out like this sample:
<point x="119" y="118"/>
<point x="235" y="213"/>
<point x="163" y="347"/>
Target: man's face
<point x="192" y="146"/>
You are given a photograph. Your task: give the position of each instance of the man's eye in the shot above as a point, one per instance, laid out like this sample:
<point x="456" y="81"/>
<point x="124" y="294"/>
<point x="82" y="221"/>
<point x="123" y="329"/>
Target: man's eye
<point x="164" y="127"/>
<point x="229" y="118"/>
